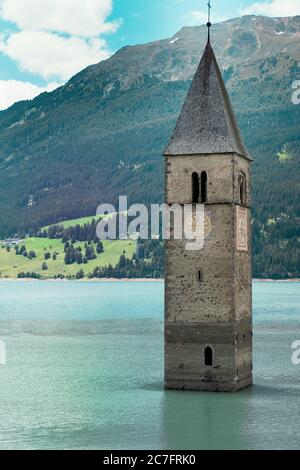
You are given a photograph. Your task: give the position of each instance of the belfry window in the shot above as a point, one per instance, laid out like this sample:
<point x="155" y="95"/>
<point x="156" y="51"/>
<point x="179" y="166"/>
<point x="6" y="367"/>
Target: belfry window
<point x="242" y="188"/>
<point x="203" y="187"/>
<point x="195" y="188"/>
<point x="208" y="356"/>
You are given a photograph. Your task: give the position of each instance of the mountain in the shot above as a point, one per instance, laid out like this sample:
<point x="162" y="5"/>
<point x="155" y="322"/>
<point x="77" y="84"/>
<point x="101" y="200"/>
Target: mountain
<point x="102" y="134"/>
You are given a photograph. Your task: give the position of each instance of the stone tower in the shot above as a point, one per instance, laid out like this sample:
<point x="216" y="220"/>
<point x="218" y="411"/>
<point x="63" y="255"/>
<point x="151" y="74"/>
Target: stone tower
<point x="208" y="293"/>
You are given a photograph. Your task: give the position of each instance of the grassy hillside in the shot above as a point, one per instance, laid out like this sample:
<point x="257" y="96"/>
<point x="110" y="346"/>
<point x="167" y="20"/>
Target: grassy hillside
<point x="11" y="264"/>
<point x="71" y="223"/>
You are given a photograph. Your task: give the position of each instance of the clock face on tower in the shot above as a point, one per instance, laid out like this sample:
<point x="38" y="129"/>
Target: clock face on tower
<point x="242" y="228"/>
<point x="207" y="226"/>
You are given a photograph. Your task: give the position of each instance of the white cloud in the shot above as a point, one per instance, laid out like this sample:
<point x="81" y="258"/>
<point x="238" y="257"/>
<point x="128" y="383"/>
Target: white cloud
<point x="74" y="17"/>
<point x="274" y="8"/>
<point x="13" y="90"/>
<point x="55" y="39"/>
<point x="52" y="56"/>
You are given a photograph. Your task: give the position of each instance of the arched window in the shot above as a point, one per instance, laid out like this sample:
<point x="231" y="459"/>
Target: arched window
<point x="203" y="187"/>
<point x="242" y="188"/>
<point x="195" y="188"/>
<point x="208" y="356"/>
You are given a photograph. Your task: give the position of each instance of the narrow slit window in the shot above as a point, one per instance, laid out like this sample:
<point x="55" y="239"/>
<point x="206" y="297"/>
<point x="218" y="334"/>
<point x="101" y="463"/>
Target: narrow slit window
<point x="208" y="356"/>
<point x="199" y="276"/>
<point x="195" y="188"/>
<point x="242" y="188"/>
<point x="203" y="187"/>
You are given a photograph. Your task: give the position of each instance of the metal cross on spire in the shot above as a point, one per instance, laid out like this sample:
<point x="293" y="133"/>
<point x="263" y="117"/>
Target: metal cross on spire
<point x="209" y="22"/>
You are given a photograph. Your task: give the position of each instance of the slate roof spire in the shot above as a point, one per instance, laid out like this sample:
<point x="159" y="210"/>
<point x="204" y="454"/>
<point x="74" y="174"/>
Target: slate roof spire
<point x="207" y="123"/>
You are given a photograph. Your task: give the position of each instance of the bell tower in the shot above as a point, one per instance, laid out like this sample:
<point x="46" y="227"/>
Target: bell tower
<point x="208" y="293"/>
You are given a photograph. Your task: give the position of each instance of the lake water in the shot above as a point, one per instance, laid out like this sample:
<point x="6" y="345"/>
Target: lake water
<point x="85" y="371"/>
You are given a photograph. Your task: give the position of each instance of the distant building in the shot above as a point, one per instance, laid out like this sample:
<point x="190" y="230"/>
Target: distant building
<point x="13" y="241"/>
<point x="208" y="293"/>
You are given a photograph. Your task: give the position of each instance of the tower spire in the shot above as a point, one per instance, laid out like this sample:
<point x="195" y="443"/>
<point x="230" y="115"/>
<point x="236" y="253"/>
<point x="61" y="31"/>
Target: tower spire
<point x="207" y="123"/>
<point x="209" y="21"/>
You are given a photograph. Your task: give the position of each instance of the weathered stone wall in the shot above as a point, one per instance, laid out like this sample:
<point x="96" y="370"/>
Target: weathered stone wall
<point x="179" y="177"/>
<point x="243" y="279"/>
<point x="217" y="310"/>
<point x="210" y="299"/>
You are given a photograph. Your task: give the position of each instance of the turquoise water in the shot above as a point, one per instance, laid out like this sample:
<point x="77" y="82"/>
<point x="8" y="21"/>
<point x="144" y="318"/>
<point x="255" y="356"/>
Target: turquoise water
<point x="85" y="371"/>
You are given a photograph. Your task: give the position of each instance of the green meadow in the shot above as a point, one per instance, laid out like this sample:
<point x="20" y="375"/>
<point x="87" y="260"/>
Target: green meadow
<point x="11" y="264"/>
<point x="81" y="221"/>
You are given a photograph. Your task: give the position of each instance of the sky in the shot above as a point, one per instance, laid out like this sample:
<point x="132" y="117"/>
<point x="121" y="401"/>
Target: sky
<point x="43" y="43"/>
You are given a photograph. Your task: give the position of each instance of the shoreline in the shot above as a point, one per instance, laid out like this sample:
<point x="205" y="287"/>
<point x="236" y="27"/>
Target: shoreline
<point x="12" y="279"/>
<point x="277" y="280"/>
